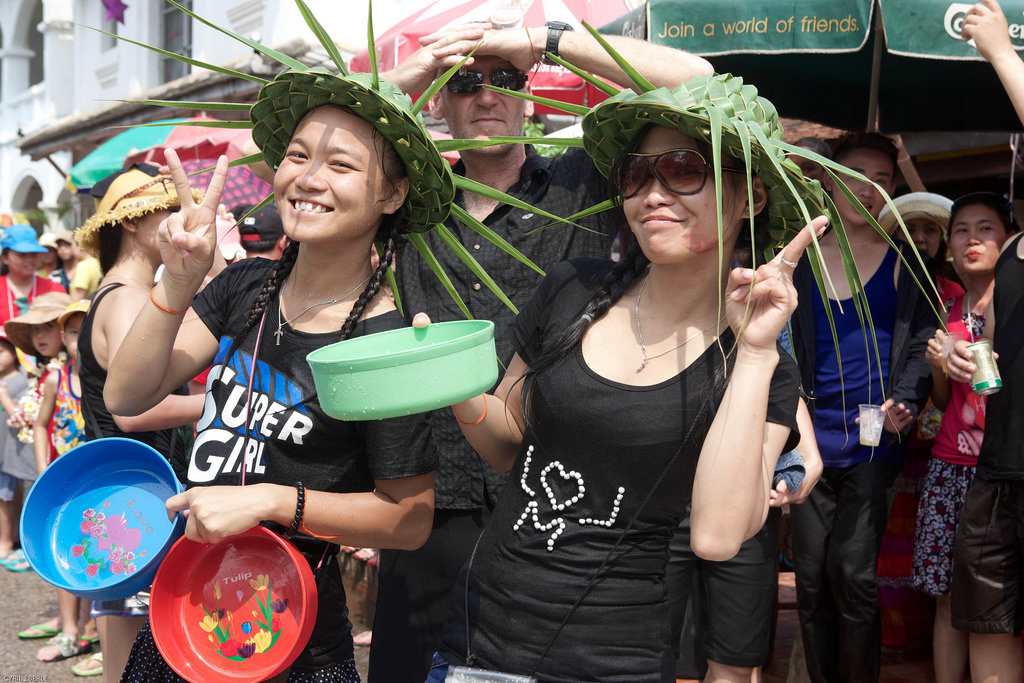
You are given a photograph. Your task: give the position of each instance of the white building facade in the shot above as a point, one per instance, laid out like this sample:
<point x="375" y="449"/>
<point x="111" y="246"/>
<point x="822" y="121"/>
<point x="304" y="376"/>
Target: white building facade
<point x="63" y="85"/>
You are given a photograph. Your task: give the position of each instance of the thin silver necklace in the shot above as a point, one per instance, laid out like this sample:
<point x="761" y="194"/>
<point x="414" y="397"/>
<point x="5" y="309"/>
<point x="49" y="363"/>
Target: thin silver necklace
<point x="288" y="321"/>
<point x="640" y="334"/>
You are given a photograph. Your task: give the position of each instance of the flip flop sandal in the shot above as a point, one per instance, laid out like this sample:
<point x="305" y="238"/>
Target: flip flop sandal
<point x="88" y="667"/>
<point x="13" y="558"/>
<point x="22" y="566"/>
<point x="44" y="632"/>
<point x="67" y="647"/>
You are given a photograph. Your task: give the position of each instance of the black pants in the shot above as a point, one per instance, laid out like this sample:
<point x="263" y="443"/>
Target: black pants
<point x="837" y="533"/>
<point x="414" y="589"/>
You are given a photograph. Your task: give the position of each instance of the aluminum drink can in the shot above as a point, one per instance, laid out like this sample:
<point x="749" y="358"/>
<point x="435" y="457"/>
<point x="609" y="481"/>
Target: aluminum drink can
<point x="986" y="379"/>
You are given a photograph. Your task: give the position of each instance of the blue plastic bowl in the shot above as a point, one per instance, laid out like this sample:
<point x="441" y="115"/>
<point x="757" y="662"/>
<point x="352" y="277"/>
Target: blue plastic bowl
<point x="95" y="523"/>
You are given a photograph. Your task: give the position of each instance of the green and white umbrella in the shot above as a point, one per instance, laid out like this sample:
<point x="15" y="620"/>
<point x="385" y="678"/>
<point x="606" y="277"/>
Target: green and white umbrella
<point x="841" y="62"/>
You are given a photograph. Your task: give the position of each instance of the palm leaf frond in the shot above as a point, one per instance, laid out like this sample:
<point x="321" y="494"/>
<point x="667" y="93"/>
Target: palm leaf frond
<point x="322" y="36"/>
<point x="280" y="57"/>
<point x="185" y="60"/>
<point x="423" y="248"/>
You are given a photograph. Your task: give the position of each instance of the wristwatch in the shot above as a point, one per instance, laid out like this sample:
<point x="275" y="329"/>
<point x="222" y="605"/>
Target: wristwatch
<point x="555" y="29"/>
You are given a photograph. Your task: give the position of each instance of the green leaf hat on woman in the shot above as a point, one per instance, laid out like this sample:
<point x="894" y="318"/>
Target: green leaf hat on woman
<point x="284" y="101"/>
<point x="728" y="115"/>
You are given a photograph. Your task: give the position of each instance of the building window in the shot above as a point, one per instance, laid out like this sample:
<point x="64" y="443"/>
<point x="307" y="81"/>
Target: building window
<point x="35" y="43"/>
<point x="108" y="42"/>
<point x="177" y="38"/>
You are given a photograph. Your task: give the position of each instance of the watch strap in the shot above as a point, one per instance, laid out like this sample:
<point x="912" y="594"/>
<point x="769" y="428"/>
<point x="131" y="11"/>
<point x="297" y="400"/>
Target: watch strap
<point x="555" y="30"/>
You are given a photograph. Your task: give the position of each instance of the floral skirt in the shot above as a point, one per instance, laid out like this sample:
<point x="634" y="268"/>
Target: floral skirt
<point x="938" y="515"/>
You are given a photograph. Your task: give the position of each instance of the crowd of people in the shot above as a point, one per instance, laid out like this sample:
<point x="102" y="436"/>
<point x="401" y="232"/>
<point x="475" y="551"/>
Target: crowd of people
<point x="610" y="510"/>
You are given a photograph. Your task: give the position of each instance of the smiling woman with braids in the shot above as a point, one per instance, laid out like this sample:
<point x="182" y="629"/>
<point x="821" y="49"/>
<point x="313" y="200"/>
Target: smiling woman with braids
<point x="340" y="187"/>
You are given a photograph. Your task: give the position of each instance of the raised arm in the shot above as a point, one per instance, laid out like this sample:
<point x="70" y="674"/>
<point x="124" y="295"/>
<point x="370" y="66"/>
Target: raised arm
<point x="523" y="48"/>
<point x="494" y="424"/>
<point x="167" y="344"/>
<point x="986" y="25"/>
<point x="734" y="471"/>
<point x="961" y="368"/>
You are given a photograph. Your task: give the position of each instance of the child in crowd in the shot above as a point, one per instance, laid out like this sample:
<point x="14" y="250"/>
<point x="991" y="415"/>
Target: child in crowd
<point x="15" y="458"/>
<point x="59" y="423"/>
<point x="38" y="333"/>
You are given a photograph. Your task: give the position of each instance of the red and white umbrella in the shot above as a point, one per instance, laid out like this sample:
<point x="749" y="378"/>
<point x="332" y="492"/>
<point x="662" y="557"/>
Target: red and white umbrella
<point x="191" y="142"/>
<point x="554" y="82"/>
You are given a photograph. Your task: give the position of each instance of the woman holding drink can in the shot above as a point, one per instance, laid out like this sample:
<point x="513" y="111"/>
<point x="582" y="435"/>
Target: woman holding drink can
<point x="980" y="224"/>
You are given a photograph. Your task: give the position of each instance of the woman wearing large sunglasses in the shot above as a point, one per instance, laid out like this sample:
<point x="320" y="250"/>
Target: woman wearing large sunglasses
<point x="634" y="384"/>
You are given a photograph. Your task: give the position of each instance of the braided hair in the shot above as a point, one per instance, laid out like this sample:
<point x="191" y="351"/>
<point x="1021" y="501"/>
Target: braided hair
<point x="389" y="239"/>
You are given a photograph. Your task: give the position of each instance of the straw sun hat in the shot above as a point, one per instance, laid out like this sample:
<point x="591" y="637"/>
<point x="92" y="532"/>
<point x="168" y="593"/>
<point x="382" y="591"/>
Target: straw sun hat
<point x="934" y="207"/>
<point x="131" y="193"/>
<point x="44" y="308"/>
<point x="80" y="306"/>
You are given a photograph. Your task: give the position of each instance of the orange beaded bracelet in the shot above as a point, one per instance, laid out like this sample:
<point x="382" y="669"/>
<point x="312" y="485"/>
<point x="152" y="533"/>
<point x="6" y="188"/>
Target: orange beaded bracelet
<point x="152" y="298"/>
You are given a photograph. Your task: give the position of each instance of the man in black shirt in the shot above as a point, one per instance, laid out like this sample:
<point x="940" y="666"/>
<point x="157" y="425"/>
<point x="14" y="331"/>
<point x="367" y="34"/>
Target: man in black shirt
<point x="415" y="587"/>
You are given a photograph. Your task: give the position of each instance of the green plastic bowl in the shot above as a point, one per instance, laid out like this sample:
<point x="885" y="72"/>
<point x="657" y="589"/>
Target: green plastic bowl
<point x="406" y="371"/>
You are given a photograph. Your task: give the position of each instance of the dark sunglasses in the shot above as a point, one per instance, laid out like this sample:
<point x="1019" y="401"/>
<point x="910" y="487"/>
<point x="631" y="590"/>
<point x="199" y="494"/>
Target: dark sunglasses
<point x="469" y="82"/>
<point x="682" y="171"/>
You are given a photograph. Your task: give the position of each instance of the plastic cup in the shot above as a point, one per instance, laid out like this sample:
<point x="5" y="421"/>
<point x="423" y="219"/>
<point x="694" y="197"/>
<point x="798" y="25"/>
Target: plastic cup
<point x="948" y="341"/>
<point x="871" y="417"/>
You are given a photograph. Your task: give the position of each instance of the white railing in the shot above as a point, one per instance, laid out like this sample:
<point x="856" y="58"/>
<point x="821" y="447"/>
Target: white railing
<point x="29" y="111"/>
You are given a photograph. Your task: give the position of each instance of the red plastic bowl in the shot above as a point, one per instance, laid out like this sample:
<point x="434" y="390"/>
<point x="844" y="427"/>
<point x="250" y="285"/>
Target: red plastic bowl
<point x="239" y="610"/>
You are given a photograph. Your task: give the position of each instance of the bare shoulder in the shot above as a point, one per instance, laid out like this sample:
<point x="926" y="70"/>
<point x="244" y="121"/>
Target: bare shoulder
<point x="113" y="319"/>
<point x="122" y="302"/>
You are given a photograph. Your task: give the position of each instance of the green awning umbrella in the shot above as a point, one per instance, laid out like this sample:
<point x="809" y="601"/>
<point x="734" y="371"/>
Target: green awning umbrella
<point x="838" y="62"/>
<point x="110" y="156"/>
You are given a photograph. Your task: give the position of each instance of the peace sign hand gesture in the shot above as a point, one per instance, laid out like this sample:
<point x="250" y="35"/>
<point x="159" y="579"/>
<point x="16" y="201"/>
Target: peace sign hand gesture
<point x="760" y="302"/>
<point x="188" y="237"/>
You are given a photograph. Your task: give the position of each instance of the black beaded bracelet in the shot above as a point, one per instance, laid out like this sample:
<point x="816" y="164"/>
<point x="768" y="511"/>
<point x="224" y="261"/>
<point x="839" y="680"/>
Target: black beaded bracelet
<point x="300" y="505"/>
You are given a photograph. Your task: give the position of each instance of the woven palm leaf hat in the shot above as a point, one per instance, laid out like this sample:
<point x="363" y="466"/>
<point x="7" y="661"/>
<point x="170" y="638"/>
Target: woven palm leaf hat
<point x="742" y="116"/>
<point x="291" y="95"/>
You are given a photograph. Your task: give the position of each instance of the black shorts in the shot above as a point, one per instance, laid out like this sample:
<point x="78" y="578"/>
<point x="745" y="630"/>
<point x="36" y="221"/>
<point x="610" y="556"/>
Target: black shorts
<point x="988" y="559"/>
<point x="723" y="611"/>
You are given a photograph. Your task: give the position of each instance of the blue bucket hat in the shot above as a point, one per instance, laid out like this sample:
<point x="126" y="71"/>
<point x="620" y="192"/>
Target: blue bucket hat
<point x="23" y="239"/>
